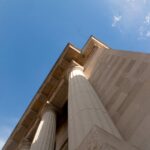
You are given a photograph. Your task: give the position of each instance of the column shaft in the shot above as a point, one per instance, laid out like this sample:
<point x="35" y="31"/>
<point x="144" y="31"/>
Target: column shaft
<point x="85" y="110"/>
<point x="45" y="135"/>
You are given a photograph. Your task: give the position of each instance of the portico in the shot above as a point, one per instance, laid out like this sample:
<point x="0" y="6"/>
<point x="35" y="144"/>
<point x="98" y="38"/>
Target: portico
<point x="67" y="110"/>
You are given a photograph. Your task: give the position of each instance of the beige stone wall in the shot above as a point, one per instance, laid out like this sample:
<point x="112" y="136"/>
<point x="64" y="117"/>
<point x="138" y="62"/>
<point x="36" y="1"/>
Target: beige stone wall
<point x="122" y="81"/>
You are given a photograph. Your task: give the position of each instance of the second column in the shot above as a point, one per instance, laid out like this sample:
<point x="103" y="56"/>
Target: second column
<point x="45" y="135"/>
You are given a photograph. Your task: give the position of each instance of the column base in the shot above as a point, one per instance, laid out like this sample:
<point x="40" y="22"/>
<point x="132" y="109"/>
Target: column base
<point x="99" y="139"/>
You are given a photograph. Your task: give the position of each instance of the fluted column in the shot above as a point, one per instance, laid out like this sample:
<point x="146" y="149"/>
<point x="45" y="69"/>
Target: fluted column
<point x="25" y="145"/>
<point x="45" y="135"/>
<point x="85" y="109"/>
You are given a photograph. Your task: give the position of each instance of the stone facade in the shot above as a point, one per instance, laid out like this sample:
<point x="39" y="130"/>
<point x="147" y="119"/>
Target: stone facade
<point x="94" y="99"/>
<point x="122" y="81"/>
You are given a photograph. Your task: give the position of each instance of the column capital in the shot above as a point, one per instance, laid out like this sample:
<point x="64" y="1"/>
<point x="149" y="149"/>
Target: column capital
<point x="49" y="107"/>
<point x="81" y="68"/>
<point x="25" y="144"/>
<point x="73" y="66"/>
<point x="26" y="141"/>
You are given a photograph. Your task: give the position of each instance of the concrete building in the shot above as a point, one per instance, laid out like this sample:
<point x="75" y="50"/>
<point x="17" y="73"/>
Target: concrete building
<point x="94" y="99"/>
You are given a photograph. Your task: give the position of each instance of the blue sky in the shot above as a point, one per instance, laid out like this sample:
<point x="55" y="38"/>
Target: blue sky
<point x="33" y="33"/>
